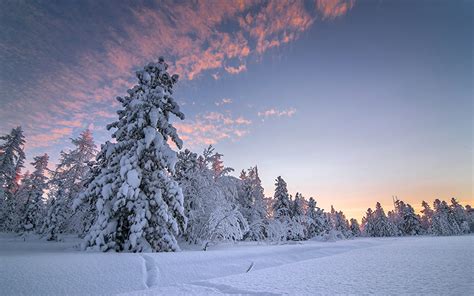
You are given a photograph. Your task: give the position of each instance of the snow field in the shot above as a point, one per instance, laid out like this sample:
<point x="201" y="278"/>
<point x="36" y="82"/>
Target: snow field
<point x="388" y="266"/>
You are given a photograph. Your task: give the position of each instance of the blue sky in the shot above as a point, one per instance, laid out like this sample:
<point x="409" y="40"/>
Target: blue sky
<point x="350" y="101"/>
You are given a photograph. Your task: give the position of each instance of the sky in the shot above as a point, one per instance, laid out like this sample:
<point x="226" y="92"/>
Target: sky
<point x="351" y="102"/>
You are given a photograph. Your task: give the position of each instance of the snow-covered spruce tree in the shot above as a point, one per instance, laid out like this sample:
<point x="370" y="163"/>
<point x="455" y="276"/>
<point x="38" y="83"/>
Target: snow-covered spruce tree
<point x="442" y="222"/>
<point x="12" y="159"/>
<point x="405" y="219"/>
<point x="56" y="215"/>
<point x="66" y="183"/>
<point x="368" y="223"/>
<point x="297" y="224"/>
<point x="411" y="221"/>
<point x="355" y="228"/>
<point x="316" y="219"/>
<point x="252" y="204"/>
<point x="33" y="213"/>
<point x="210" y="199"/>
<point x="381" y="225"/>
<point x="470" y="217"/>
<point x="460" y="215"/>
<point x="139" y="204"/>
<point x="426" y="217"/>
<point x="281" y="200"/>
<point x="339" y="224"/>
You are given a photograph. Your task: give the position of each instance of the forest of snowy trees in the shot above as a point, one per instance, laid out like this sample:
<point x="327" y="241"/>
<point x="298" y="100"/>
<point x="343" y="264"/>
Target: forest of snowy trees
<point x="137" y="194"/>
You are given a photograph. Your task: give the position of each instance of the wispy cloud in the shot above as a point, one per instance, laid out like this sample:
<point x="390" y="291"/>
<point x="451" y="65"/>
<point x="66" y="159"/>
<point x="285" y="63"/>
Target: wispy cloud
<point x="60" y="83"/>
<point x="212" y="127"/>
<point x="277" y="113"/>
<point x="224" y="101"/>
<point x="331" y="9"/>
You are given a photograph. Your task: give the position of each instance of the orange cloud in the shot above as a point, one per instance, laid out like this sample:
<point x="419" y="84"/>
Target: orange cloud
<point x="331" y="9"/>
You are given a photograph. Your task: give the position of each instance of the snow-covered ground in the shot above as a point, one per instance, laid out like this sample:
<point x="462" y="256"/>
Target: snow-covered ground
<point x="410" y="265"/>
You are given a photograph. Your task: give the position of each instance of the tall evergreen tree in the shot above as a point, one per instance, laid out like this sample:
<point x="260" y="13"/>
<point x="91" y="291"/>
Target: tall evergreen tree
<point x="33" y="212"/>
<point x="426" y="217"/>
<point x="368" y="223"/>
<point x="281" y="200"/>
<point x="66" y="183"/>
<point x="460" y="215"/>
<point x="12" y="159"/>
<point x="140" y="206"/>
<point x="252" y="204"/>
<point x="316" y="219"/>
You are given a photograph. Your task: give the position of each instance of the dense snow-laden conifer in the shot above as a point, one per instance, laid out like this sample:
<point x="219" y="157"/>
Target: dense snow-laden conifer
<point x="339" y="223"/>
<point x="281" y="200"/>
<point x="460" y="215"/>
<point x="139" y="205"/>
<point x="12" y="159"/>
<point x="33" y="213"/>
<point x="381" y="225"/>
<point x="211" y="199"/>
<point x="405" y="219"/>
<point x="252" y="204"/>
<point x="354" y="227"/>
<point x="426" y="217"/>
<point x="315" y="218"/>
<point x="66" y="184"/>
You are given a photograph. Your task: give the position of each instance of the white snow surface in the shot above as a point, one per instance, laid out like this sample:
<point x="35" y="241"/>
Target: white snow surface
<point x="382" y="266"/>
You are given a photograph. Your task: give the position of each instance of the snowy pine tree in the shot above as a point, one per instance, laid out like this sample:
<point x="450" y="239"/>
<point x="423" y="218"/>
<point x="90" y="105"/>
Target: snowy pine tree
<point x="210" y="199"/>
<point x="355" y="228"/>
<point x="443" y="222"/>
<point x="67" y="182"/>
<point x="297" y="225"/>
<point x="281" y="200"/>
<point x="33" y="213"/>
<point x="405" y="219"/>
<point x="315" y="218"/>
<point x="252" y="204"/>
<point x="139" y="204"/>
<point x="381" y="225"/>
<point x="12" y="159"/>
<point x="460" y="215"/>
<point x="426" y="217"/>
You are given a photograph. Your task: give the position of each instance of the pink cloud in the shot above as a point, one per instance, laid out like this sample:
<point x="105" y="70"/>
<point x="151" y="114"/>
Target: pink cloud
<point x="331" y="9"/>
<point x="211" y="128"/>
<point x="224" y="101"/>
<point x="277" y="113"/>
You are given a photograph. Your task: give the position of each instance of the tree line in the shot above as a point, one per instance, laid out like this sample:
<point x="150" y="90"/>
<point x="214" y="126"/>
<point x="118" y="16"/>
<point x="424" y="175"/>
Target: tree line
<point x="137" y="194"/>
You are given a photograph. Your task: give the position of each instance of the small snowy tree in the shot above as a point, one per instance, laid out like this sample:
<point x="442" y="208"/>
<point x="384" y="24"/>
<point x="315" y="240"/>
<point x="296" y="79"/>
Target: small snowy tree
<point x="355" y="228"/>
<point x="367" y="225"/>
<point x="33" y="212"/>
<point x="339" y="223"/>
<point x="426" y="217"/>
<point x="139" y="204"/>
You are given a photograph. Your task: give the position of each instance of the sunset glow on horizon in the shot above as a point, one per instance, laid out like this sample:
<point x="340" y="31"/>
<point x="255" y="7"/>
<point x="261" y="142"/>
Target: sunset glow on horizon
<point x="351" y="102"/>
